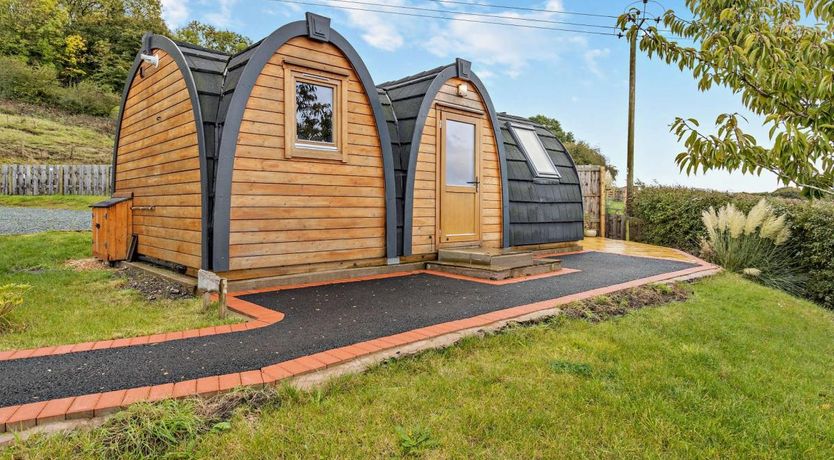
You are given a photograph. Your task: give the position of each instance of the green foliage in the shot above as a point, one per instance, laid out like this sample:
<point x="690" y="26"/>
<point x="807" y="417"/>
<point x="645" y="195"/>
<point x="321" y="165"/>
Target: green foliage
<point x="208" y="36"/>
<point x="554" y="126"/>
<point x="777" y="56"/>
<point x="581" y="151"/>
<point x="32" y="30"/>
<point x="39" y="84"/>
<point x="11" y="297"/>
<point x="672" y="217"/>
<point x="568" y="367"/>
<point x="149" y="430"/>
<point x="752" y="244"/>
<point x="584" y="154"/>
<point x="413" y="441"/>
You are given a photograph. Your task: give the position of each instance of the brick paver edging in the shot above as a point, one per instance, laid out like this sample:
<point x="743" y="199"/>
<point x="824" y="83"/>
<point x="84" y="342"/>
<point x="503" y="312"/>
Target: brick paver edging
<point x="259" y="317"/>
<point x="14" y="418"/>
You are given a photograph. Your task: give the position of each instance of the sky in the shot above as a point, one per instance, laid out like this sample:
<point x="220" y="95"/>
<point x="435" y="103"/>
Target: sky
<point x="580" y="79"/>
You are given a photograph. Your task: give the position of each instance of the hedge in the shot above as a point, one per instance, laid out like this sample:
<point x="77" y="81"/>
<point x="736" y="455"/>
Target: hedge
<point x="672" y="217"/>
<point x="40" y="85"/>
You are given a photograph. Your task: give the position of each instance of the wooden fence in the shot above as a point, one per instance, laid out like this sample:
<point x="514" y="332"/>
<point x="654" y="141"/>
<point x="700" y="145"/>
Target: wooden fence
<point x="55" y="179"/>
<point x="592" y="179"/>
<point x="616" y="227"/>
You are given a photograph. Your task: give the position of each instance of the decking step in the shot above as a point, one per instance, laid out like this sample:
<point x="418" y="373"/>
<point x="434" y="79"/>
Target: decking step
<point x="536" y="267"/>
<point x="487" y="257"/>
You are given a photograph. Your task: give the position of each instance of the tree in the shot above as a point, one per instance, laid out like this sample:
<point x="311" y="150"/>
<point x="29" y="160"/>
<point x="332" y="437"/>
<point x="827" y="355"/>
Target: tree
<point x="584" y="154"/>
<point x="581" y="151"/>
<point x="554" y="127"/>
<point x="32" y="29"/>
<point x="210" y="37"/>
<point x="778" y="56"/>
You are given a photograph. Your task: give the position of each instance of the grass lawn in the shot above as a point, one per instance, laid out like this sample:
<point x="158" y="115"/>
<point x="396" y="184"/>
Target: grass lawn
<point x="67" y="306"/>
<point x="736" y="371"/>
<point x="33" y="134"/>
<point x="73" y="202"/>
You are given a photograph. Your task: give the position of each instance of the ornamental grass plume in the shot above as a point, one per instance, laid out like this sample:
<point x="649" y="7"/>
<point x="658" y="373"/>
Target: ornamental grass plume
<point x="752" y="244"/>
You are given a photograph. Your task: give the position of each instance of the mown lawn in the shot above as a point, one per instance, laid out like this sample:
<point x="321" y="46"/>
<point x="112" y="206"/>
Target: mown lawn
<point x="736" y="371"/>
<point x="72" y="202"/>
<point x="65" y="306"/>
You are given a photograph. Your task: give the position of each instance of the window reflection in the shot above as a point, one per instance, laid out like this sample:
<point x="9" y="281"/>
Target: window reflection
<point x="314" y="112"/>
<point x="460" y="153"/>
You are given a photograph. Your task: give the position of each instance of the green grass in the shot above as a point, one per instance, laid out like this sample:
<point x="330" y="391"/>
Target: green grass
<point x="737" y="371"/>
<point x="74" y="202"/>
<point x="615" y="207"/>
<point x="32" y="134"/>
<point x="68" y="306"/>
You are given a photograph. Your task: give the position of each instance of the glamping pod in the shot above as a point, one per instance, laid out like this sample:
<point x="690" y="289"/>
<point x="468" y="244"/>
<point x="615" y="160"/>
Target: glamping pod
<point x="286" y="159"/>
<point x="468" y="176"/>
<point x="164" y="147"/>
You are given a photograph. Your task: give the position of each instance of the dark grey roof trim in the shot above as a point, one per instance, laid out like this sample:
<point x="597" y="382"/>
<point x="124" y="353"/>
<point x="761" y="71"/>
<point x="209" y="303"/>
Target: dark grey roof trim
<point x="234" y="117"/>
<point x="150" y="42"/>
<point x="460" y="69"/>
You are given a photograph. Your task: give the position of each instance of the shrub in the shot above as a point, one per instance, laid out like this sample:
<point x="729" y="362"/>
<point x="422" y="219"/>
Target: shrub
<point x="672" y="217"/>
<point x="752" y="244"/>
<point x="40" y="85"/>
<point x="11" y="297"/>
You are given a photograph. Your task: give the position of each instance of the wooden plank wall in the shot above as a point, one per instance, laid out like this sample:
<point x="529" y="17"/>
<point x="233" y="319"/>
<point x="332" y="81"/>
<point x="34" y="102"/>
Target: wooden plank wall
<point x="592" y="181"/>
<point x="300" y="212"/>
<point x="158" y="160"/>
<point x="425" y="180"/>
<point x="55" y="179"/>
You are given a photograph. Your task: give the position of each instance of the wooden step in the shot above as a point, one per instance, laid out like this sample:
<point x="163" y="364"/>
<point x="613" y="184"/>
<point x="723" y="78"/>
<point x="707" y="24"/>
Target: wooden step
<point x="496" y="273"/>
<point x="488" y="257"/>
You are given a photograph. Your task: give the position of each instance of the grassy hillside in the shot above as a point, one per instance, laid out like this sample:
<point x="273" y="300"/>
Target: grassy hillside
<point x="40" y="135"/>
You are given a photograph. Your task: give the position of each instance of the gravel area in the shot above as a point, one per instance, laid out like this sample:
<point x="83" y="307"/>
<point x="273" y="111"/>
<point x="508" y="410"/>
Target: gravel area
<point x="316" y="319"/>
<point x="32" y="220"/>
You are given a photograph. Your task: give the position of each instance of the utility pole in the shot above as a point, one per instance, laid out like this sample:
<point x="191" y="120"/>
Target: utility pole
<point x="637" y="17"/>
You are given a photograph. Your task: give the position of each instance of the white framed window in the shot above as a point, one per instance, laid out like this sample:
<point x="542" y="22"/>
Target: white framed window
<point x="531" y="145"/>
<point x="315" y="106"/>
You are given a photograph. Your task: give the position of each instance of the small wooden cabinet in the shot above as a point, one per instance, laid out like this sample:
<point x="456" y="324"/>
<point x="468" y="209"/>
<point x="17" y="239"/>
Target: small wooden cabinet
<point x="112" y="224"/>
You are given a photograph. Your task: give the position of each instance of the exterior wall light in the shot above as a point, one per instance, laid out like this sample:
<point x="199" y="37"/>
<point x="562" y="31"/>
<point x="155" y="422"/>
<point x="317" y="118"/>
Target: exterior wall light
<point x="463" y="89"/>
<point x="152" y="59"/>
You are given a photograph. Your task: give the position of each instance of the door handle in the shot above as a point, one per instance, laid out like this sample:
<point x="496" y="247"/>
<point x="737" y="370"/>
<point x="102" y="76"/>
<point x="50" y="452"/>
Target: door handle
<point x="476" y="183"/>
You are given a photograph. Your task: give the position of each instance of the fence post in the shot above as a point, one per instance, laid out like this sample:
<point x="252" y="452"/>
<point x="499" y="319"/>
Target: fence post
<point x="602" y="211"/>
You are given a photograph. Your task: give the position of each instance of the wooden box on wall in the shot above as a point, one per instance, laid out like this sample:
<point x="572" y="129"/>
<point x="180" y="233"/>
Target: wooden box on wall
<point x="112" y="223"/>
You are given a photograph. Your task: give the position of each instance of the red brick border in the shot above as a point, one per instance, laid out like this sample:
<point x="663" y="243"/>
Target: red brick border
<point x="14" y="418"/>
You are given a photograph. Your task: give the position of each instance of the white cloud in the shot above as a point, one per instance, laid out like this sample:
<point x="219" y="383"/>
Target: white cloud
<point x="222" y="17"/>
<point x="591" y="56"/>
<point x="511" y="49"/>
<point x="378" y="30"/>
<point x="174" y="12"/>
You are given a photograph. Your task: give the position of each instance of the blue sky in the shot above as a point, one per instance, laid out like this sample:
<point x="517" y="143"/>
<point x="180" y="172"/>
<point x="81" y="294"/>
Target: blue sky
<point x="580" y="79"/>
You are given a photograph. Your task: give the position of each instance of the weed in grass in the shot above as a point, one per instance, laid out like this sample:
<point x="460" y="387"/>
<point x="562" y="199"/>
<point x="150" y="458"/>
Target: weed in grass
<point x="568" y="367"/>
<point x="11" y="297"/>
<point x="414" y="440"/>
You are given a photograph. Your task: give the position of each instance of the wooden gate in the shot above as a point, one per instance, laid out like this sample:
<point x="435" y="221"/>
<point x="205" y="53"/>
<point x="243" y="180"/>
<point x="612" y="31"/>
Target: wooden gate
<point x="592" y="179"/>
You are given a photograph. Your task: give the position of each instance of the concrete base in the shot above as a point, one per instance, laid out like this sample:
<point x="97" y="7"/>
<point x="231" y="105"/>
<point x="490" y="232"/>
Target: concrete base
<point x="187" y="282"/>
<point x="537" y="267"/>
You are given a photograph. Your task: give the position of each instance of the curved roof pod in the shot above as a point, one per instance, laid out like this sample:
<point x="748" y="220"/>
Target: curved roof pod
<point x="412" y="99"/>
<point x="242" y="73"/>
<point x="207" y="66"/>
<point x="542" y="209"/>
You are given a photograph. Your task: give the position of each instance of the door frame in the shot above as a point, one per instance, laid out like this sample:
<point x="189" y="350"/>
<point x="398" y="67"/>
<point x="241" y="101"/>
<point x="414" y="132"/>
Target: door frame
<point x="444" y="114"/>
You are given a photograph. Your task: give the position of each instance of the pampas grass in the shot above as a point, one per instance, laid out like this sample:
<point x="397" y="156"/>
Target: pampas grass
<point x="751" y="244"/>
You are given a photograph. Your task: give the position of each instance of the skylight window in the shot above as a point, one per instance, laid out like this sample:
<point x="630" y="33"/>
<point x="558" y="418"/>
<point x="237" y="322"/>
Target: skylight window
<point x="534" y="150"/>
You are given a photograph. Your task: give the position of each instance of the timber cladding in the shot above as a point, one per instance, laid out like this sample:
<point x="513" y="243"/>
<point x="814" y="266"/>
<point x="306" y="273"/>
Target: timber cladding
<point x="425" y="225"/>
<point x="157" y="159"/>
<point x="302" y="211"/>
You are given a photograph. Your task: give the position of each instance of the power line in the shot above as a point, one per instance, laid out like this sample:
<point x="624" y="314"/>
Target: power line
<point x="448" y="18"/>
<point x="485" y="15"/>
<point x="522" y="8"/>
